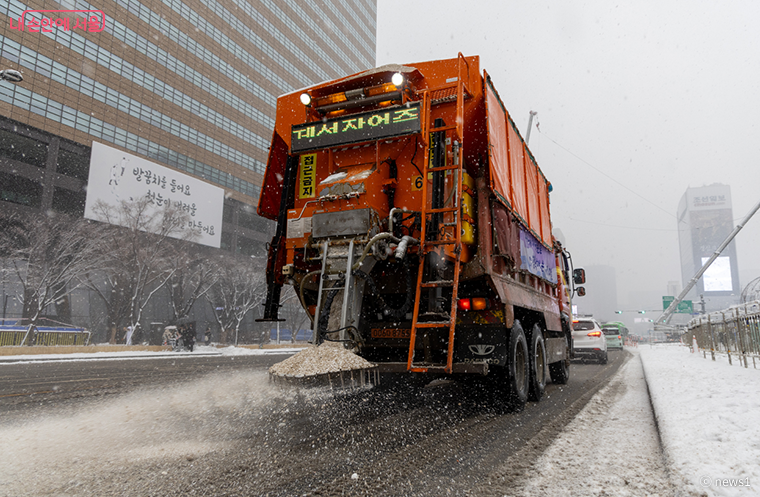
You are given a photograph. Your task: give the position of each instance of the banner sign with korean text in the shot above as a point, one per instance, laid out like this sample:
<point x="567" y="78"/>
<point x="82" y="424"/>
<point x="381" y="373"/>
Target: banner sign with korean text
<point x="117" y="176"/>
<point x="537" y="259"/>
<point x="355" y="128"/>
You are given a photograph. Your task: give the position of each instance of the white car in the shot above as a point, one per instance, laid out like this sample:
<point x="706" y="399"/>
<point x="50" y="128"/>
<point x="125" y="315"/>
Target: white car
<point x="589" y="340"/>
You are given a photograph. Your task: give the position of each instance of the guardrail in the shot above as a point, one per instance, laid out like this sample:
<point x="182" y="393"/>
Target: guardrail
<point x="12" y="336"/>
<point x="733" y="331"/>
<point x="44" y="335"/>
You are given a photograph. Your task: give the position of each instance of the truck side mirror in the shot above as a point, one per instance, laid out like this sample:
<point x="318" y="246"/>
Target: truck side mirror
<point x="580" y="291"/>
<point x="579" y="276"/>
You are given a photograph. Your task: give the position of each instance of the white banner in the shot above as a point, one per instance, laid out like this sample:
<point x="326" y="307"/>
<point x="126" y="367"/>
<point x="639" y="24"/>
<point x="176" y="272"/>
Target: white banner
<point x="116" y="176"/>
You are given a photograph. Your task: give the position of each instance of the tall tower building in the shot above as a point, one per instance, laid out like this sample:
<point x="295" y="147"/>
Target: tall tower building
<point x="189" y="84"/>
<point x="705" y="219"/>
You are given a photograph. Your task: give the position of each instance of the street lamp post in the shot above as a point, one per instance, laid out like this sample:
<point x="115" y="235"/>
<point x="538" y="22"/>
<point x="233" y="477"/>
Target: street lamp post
<point x="11" y="75"/>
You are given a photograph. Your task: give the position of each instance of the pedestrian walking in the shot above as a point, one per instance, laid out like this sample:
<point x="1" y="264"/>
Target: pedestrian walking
<point x="129" y="330"/>
<point x="168" y="335"/>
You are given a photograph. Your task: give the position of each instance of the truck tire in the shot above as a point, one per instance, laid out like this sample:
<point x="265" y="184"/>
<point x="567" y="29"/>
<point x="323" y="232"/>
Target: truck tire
<point x="560" y="371"/>
<point x="537" y="350"/>
<point x="518" y="368"/>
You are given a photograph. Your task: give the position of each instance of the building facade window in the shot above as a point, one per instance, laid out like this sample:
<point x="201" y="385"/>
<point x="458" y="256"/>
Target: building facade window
<point x="69" y="202"/>
<point x="73" y="164"/>
<point x="110" y="133"/>
<point x="20" y="190"/>
<point x="23" y="149"/>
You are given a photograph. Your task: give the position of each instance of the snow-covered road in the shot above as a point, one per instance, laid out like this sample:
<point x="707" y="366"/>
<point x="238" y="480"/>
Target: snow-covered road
<point x="701" y="439"/>
<point x="610" y="448"/>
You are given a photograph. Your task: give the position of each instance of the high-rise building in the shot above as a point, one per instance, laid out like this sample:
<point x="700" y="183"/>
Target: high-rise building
<point x="189" y="84"/>
<point x="705" y="219"/>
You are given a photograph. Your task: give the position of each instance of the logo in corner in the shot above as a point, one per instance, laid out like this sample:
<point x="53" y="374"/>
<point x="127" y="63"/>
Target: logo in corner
<point x="44" y="21"/>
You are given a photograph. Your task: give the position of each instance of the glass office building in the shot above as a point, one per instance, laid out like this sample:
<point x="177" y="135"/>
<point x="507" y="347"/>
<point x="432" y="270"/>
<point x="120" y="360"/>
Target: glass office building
<point x="191" y="85"/>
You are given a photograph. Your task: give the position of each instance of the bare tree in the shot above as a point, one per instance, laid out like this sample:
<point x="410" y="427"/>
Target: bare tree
<point x="47" y="255"/>
<point x="294" y="314"/>
<point x="112" y="286"/>
<point x="194" y="275"/>
<point x="240" y="287"/>
<point x="141" y="256"/>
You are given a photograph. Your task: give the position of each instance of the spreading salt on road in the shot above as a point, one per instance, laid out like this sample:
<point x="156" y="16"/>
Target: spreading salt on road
<point x="327" y="358"/>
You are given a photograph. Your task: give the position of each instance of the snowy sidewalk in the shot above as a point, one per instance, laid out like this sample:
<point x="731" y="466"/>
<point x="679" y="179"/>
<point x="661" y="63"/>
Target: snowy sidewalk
<point x="709" y="418"/>
<point x="130" y="355"/>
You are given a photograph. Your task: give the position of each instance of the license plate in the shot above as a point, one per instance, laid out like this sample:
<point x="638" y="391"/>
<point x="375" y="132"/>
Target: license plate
<point x="391" y="333"/>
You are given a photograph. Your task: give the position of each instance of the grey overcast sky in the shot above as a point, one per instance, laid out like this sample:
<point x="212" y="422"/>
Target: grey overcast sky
<point x="636" y="101"/>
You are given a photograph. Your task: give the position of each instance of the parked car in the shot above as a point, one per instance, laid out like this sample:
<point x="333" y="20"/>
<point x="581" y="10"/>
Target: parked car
<point x="589" y="340"/>
<point x="613" y="336"/>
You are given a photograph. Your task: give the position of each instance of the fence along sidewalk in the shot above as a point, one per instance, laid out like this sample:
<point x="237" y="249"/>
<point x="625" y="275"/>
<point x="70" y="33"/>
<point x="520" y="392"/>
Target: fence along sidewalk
<point x="13" y="335"/>
<point x="733" y="331"/>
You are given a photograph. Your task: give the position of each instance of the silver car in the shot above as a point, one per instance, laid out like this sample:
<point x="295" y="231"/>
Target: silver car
<point x="589" y="340"/>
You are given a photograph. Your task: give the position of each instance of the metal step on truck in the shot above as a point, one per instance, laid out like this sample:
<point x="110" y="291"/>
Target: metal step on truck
<point x="414" y="225"/>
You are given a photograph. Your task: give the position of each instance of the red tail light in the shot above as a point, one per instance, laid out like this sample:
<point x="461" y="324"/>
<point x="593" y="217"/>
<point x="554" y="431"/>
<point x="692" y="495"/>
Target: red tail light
<point x="473" y="304"/>
<point x="595" y="334"/>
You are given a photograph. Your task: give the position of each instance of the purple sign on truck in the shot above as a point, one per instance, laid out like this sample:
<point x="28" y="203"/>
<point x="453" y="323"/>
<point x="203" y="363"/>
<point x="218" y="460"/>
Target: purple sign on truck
<point x="537" y="259"/>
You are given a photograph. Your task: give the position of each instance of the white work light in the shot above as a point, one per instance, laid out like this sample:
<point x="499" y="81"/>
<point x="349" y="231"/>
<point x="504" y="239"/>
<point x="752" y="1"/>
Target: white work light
<point x="397" y="79"/>
<point x="305" y="99"/>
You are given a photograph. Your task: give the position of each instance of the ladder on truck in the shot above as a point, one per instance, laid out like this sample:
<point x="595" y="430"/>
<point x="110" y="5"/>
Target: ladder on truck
<point x="343" y="280"/>
<point x="433" y="216"/>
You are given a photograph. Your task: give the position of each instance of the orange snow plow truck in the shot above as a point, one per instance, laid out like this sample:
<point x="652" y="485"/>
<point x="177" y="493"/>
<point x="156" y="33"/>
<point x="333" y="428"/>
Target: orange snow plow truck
<point x="414" y="225"/>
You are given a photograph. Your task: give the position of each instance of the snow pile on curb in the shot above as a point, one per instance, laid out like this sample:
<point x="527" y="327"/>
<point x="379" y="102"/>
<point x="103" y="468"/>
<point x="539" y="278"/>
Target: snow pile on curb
<point x="709" y="418"/>
<point x="320" y="360"/>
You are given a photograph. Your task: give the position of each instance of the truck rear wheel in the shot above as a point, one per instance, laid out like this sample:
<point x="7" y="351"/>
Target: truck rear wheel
<point x="518" y="376"/>
<point x="537" y="364"/>
<point x="560" y="371"/>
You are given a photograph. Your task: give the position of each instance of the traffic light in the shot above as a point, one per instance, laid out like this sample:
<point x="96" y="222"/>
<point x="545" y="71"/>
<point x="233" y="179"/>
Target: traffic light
<point x="618" y="312"/>
<point x="642" y="312"/>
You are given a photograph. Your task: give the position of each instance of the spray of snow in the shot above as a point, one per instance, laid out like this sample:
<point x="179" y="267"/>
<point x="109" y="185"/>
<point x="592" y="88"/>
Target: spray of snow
<point x="181" y="421"/>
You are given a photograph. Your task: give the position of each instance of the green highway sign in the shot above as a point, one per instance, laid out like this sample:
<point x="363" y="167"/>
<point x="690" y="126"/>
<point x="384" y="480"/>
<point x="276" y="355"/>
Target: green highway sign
<point x="684" y="306"/>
